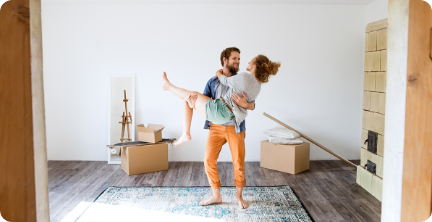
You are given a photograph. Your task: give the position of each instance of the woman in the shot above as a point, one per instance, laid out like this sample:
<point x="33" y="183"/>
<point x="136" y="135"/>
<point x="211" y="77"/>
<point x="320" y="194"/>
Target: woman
<point x="222" y="110"/>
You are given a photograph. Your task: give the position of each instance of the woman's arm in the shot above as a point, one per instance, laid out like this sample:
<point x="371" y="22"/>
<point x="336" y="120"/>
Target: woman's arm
<point x="219" y="73"/>
<point x="240" y="101"/>
<point x="232" y="81"/>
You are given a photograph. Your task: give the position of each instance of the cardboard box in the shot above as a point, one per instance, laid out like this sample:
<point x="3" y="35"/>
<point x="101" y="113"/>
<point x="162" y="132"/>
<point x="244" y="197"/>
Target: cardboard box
<point x="291" y="159"/>
<point x="152" y="133"/>
<point x="144" y="159"/>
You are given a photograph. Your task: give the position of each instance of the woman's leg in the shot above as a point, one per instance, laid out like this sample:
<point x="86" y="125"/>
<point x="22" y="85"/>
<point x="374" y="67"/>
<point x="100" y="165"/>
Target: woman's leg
<point x="192" y="100"/>
<point x="185" y="95"/>
<point x="187" y="120"/>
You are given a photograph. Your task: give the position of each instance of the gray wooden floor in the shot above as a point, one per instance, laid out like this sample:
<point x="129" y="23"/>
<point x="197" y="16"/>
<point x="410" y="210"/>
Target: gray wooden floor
<point x="328" y="189"/>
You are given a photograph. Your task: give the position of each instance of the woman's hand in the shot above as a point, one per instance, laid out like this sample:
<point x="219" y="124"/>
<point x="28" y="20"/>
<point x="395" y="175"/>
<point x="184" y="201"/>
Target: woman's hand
<point x="219" y="73"/>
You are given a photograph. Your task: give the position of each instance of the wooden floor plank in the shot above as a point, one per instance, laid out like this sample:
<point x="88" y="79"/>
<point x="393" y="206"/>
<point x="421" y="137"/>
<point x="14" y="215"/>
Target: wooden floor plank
<point x="328" y="190"/>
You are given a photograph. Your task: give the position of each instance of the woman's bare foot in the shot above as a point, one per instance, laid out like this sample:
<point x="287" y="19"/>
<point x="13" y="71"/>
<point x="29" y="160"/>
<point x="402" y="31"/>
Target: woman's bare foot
<point x="212" y="200"/>
<point x="242" y="203"/>
<point x="183" y="138"/>
<point x="166" y="83"/>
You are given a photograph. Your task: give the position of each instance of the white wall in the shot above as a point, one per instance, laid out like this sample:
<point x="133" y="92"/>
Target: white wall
<point x="376" y="11"/>
<point x="318" y="89"/>
<point x="395" y="110"/>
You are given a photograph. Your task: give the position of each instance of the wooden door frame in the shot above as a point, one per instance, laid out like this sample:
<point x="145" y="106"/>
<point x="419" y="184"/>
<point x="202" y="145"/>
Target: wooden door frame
<point x="23" y="154"/>
<point x="416" y="202"/>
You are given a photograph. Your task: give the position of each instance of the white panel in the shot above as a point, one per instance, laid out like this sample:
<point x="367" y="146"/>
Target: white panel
<point x="395" y="110"/>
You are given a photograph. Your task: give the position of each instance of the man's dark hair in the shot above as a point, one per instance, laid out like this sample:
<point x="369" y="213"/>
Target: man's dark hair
<point x="226" y="53"/>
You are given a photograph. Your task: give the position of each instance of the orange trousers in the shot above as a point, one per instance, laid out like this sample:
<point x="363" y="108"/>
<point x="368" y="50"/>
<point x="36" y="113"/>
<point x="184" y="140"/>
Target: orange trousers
<point x="217" y="137"/>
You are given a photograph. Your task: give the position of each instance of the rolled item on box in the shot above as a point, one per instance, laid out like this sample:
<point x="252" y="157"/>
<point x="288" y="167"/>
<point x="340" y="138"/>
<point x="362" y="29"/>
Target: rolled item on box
<point x="282" y="132"/>
<point x="281" y="140"/>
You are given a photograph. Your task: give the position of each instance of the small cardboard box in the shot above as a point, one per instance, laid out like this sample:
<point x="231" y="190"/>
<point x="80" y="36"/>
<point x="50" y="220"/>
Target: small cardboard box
<point x="152" y="133"/>
<point x="291" y="159"/>
<point x="144" y="159"/>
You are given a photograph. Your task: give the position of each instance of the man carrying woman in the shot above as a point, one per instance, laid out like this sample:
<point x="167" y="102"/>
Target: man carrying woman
<point x="225" y="112"/>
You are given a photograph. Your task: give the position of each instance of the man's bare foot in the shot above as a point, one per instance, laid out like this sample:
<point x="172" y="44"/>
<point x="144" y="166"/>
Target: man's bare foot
<point x="242" y="203"/>
<point x="212" y="200"/>
<point x="166" y="82"/>
<point x="191" y="100"/>
<point x="183" y="138"/>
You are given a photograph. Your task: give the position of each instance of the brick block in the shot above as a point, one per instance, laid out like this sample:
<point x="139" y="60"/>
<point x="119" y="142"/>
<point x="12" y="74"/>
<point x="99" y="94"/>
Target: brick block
<point x="358" y="178"/>
<point x="368" y="28"/>
<point x="378" y="160"/>
<point x="384" y="60"/>
<point x="382" y="100"/>
<point x="367" y="120"/>
<point x="376" y="61"/>
<point x="377" y="123"/>
<point x="368" y="62"/>
<point x="380" y="81"/>
<point x="364" y="137"/>
<point x="366" y="100"/>
<point x="377" y="187"/>
<point x="374" y="26"/>
<point x="372" y="41"/>
<point x="369" y="81"/>
<point x="366" y="179"/>
<point x="380" y="145"/>
<point x="374" y="101"/>
<point x="366" y="42"/>
<point x="381" y="39"/>
<point x="365" y="156"/>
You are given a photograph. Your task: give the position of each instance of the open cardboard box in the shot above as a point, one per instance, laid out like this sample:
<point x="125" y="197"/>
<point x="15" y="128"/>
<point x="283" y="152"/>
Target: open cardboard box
<point x="152" y="133"/>
<point x="291" y="159"/>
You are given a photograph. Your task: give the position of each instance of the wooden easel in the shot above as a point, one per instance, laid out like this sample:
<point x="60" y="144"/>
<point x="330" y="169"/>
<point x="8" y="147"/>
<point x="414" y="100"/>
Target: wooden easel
<point x="126" y="120"/>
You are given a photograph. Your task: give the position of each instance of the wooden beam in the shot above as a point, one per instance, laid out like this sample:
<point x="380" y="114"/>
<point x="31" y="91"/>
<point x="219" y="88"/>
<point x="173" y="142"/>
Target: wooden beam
<point x="312" y="141"/>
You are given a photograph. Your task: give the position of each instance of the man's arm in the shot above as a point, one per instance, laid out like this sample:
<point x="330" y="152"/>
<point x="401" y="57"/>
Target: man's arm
<point x="250" y="106"/>
<point x="242" y="102"/>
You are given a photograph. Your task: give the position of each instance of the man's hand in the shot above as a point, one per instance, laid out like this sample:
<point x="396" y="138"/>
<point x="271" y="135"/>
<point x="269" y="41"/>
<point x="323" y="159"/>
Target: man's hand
<point x="191" y="100"/>
<point x="242" y="101"/>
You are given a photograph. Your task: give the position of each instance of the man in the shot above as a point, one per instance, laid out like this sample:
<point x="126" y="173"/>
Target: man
<point x="228" y="132"/>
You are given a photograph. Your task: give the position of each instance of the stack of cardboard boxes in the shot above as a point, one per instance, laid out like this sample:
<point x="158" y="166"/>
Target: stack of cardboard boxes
<point x="151" y="157"/>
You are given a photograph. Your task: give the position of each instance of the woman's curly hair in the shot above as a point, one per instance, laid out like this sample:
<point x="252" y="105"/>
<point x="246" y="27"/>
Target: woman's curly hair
<point x="265" y="68"/>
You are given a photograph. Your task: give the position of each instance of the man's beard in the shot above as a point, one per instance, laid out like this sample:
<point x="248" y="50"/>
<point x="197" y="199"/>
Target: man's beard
<point x="232" y="68"/>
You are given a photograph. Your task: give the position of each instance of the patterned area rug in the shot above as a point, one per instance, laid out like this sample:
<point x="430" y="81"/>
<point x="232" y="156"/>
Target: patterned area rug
<point x="182" y="204"/>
